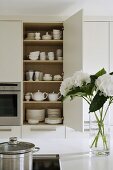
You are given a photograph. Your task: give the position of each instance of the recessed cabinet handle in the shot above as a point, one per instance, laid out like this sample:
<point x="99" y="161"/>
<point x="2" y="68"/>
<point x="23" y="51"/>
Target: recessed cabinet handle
<point x="41" y="129"/>
<point x="5" y="130"/>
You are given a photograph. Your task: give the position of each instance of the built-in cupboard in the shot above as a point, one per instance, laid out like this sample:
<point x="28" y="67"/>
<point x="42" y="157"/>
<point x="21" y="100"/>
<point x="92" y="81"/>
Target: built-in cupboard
<point x="86" y="45"/>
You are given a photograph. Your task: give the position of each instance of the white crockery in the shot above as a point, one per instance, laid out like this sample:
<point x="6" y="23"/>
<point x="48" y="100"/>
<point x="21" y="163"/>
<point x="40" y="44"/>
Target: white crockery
<point x="33" y="121"/>
<point x="37" y="114"/>
<point x="27" y="97"/>
<point x="36" y="76"/>
<point x="47" y="78"/>
<point x="29" y="75"/>
<point x="53" y="120"/>
<point x="47" y="36"/>
<point x="42" y="56"/>
<point x="59" y="58"/>
<point x="39" y="96"/>
<point x="57" y="77"/>
<point x="37" y="36"/>
<point x="54" y="96"/>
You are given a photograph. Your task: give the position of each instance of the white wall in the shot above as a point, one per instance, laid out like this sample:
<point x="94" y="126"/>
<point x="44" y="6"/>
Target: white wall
<point x="91" y="7"/>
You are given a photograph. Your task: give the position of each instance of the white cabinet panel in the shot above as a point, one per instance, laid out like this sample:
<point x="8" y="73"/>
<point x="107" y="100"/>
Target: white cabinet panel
<point x="10" y="51"/>
<point x="35" y="131"/>
<point x="72" y="52"/>
<point x="10" y="131"/>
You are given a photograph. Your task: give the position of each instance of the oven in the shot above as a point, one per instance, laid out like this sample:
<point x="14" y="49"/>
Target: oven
<point x="10" y="104"/>
<point x="46" y="162"/>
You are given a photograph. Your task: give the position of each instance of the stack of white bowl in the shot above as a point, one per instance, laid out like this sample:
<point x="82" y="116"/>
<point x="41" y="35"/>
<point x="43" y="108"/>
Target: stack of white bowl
<point x="56" y="113"/>
<point x="53" y="116"/>
<point x="30" y="36"/>
<point x="57" y="34"/>
<point x="37" y="114"/>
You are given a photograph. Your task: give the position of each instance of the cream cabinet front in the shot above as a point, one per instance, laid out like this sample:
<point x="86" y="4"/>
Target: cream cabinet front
<point x="86" y="47"/>
<point x="10" y="51"/>
<point x="41" y="131"/>
<point x="9" y="131"/>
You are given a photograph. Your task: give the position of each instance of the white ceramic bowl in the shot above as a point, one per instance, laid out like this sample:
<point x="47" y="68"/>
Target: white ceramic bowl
<point x="53" y="110"/>
<point x="47" y="78"/>
<point x="33" y="121"/>
<point x="38" y="114"/>
<point x="33" y="57"/>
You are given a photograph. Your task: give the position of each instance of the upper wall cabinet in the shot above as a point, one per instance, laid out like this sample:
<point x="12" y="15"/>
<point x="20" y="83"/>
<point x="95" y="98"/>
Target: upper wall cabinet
<point x="10" y="51"/>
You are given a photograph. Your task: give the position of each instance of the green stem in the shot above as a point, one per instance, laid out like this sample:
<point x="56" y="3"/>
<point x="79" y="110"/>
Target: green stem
<point x="101" y="132"/>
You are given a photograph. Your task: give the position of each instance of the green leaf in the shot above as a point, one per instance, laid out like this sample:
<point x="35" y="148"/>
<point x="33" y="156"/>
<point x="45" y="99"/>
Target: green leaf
<point x="97" y="102"/>
<point x="101" y="72"/>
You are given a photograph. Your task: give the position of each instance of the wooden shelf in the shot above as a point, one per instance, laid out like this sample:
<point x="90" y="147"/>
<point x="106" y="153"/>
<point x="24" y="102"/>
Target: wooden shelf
<point x="44" y="61"/>
<point x="41" y="26"/>
<point x="47" y="102"/>
<point x="42" y="81"/>
<point x="44" y="42"/>
<point x="43" y="124"/>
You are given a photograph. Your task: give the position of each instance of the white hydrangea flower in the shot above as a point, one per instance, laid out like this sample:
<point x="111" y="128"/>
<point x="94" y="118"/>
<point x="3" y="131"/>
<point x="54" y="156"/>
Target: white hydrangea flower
<point x="66" y="85"/>
<point x="79" y="78"/>
<point x="104" y="83"/>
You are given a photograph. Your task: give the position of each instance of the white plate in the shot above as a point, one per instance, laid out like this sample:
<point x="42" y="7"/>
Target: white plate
<point x="53" y="121"/>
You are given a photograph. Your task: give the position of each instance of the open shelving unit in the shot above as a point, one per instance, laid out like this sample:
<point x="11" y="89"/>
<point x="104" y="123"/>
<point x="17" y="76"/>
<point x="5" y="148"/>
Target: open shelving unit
<point x="54" y="67"/>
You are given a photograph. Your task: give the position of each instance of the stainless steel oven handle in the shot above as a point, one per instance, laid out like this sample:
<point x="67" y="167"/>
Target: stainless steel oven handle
<point x="6" y="130"/>
<point x="42" y="129"/>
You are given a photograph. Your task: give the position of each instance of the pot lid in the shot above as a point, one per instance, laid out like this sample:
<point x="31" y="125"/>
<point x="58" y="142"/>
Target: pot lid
<point x="15" y="147"/>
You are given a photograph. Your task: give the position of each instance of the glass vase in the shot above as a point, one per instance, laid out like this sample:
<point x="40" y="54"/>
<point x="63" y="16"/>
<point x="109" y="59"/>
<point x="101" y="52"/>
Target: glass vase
<point x="99" y="133"/>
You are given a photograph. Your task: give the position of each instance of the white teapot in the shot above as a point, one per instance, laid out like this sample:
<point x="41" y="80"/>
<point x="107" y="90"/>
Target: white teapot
<point x="39" y="96"/>
<point x="54" y="96"/>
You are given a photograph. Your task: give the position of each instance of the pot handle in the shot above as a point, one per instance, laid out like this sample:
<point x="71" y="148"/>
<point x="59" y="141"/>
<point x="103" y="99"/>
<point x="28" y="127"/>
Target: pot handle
<point x="36" y="149"/>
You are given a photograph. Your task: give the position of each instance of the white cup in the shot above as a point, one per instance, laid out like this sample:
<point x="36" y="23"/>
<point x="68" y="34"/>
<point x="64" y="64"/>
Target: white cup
<point x="29" y="75"/>
<point x="50" y="57"/>
<point x="36" y="76"/>
<point x="59" y="52"/>
<point x="41" y="76"/>
<point x="51" y="54"/>
<point x="42" y="56"/>
<point x="47" y="75"/>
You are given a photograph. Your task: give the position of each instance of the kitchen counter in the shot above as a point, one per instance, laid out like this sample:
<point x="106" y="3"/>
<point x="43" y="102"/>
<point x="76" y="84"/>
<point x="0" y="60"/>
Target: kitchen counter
<point x="74" y="153"/>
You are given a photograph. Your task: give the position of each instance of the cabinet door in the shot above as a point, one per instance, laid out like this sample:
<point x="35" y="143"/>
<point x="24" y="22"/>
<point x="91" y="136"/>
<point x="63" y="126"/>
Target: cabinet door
<point x="95" y="51"/>
<point x="35" y="131"/>
<point x="10" y="131"/>
<point x="10" y="51"/>
<point x="111" y="66"/>
<point x="72" y="51"/>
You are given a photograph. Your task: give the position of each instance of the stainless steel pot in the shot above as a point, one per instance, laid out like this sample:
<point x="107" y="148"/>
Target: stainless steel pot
<point x="15" y="155"/>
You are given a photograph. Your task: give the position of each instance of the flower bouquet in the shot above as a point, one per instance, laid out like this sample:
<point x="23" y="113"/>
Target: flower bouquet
<point x="97" y="90"/>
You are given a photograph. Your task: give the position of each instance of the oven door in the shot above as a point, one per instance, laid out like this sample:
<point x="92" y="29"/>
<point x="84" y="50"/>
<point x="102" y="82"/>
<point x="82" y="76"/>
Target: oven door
<point x="10" y="104"/>
<point x="46" y="162"/>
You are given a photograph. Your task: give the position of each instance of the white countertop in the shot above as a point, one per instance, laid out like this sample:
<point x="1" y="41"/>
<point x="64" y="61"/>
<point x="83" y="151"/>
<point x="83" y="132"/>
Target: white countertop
<point x="73" y="153"/>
